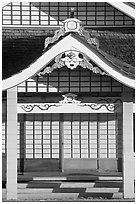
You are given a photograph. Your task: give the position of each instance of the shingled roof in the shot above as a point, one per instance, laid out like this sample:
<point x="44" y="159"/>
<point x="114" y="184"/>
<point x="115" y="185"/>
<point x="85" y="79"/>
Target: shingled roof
<point x="23" y="47"/>
<point x="120" y="66"/>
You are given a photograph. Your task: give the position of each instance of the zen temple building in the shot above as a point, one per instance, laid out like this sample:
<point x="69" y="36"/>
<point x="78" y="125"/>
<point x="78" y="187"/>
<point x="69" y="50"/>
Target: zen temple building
<point x="68" y="89"/>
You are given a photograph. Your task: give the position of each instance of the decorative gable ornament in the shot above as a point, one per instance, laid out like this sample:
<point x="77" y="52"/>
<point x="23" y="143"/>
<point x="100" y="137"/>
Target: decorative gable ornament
<point x="69" y="98"/>
<point x="72" y="59"/>
<point x="71" y="25"/>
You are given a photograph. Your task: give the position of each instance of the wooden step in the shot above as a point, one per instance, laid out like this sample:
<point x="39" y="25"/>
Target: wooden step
<point x="78" y="178"/>
<point x="70" y="187"/>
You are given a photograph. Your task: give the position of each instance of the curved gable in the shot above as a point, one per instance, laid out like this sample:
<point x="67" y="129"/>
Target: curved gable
<point x="70" y="42"/>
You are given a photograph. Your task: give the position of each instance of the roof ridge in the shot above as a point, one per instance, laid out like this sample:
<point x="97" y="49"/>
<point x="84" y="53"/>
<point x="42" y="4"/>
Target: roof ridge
<point x="79" y="30"/>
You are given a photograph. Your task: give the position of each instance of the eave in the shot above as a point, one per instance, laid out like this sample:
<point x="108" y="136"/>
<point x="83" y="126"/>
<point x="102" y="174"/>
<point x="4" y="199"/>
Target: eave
<point x="70" y="42"/>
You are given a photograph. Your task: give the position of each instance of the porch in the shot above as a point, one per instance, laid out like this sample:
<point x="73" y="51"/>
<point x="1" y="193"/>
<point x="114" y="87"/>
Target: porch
<point x="69" y="185"/>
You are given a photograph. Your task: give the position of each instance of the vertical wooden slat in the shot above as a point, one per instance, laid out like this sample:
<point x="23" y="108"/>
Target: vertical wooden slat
<point x="107" y="139"/>
<point x="42" y="135"/>
<point x="58" y="80"/>
<point x="114" y="17"/>
<point x="95" y="13"/>
<point x="51" y="135"/>
<point x="69" y="81"/>
<point x="22" y="143"/>
<point x="79" y="80"/>
<point x="2" y="17"/>
<point x="123" y="19"/>
<point x="100" y="83"/>
<point x="49" y="15"/>
<point x="47" y="82"/>
<point x="80" y="135"/>
<point x="61" y="142"/>
<point x="33" y="135"/>
<point x="111" y="84"/>
<point x="86" y="13"/>
<point x="39" y="13"/>
<point x="58" y="14"/>
<point x="6" y="136"/>
<point x="105" y="13"/>
<point x="21" y="13"/>
<point x="11" y="13"/>
<point x="98" y="141"/>
<point x="24" y="136"/>
<point x="67" y="9"/>
<point x="30" y="13"/>
<point x="88" y="135"/>
<point x="116" y="133"/>
<point x="90" y="81"/>
<point x="26" y="86"/>
<point x="71" y="136"/>
<point x="37" y="82"/>
<point x="77" y="10"/>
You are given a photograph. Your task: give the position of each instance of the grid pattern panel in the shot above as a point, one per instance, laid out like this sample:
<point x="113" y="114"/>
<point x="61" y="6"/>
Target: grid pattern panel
<point x="66" y="80"/>
<point x="18" y="140"/>
<point x="92" y="136"/>
<point x="76" y="141"/>
<point x="109" y="136"/>
<point x="53" y="13"/>
<point x="67" y="136"/>
<point x="119" y="130"/>
<point x="29" y="139"/>
<point x="4" y="136"/>
<point x="42" y="136"/>
<point x="85" y="135"/>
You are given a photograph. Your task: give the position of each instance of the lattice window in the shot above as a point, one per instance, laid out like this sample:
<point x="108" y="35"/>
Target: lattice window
<point x="85" y="136"/>
<point x="66" y="80"/>
<point x="18" y="139"/>
<point x="92" y="136"/>
<point x="42" y="136"/>
<point x="4" y="133"/>
<point x="53" y="13"/>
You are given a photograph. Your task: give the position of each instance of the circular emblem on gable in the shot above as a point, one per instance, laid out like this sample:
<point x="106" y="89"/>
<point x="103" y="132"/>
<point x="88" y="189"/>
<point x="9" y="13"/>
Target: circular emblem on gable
<point x="72" y="25"/>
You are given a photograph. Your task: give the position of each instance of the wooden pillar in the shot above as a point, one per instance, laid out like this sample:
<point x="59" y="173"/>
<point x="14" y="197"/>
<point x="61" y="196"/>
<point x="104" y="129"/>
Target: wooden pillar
<point x="128" y="156"/>
<point x="61" y="142"/>
<point x="22" y="143"/>
<point x="12" y="143"/>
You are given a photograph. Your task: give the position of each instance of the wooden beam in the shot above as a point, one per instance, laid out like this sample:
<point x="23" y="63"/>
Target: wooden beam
<point x="12" y="143"/>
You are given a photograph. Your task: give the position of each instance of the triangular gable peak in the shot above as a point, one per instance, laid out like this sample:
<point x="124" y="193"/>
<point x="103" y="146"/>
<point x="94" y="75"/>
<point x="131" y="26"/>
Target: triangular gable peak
<point x="72" y="46"/>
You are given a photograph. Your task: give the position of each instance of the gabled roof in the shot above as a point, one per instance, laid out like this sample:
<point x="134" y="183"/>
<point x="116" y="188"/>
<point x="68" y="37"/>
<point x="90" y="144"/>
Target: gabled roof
<point x="21" y="47"/>
<point x="117" y="69"/>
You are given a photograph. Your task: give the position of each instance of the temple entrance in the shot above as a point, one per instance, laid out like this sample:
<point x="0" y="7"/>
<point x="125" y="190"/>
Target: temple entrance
<point x="86" y="141"/>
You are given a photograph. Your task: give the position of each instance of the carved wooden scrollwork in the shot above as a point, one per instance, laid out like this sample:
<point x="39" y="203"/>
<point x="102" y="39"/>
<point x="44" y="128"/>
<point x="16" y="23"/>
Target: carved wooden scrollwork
<point x="71" y="59"/>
